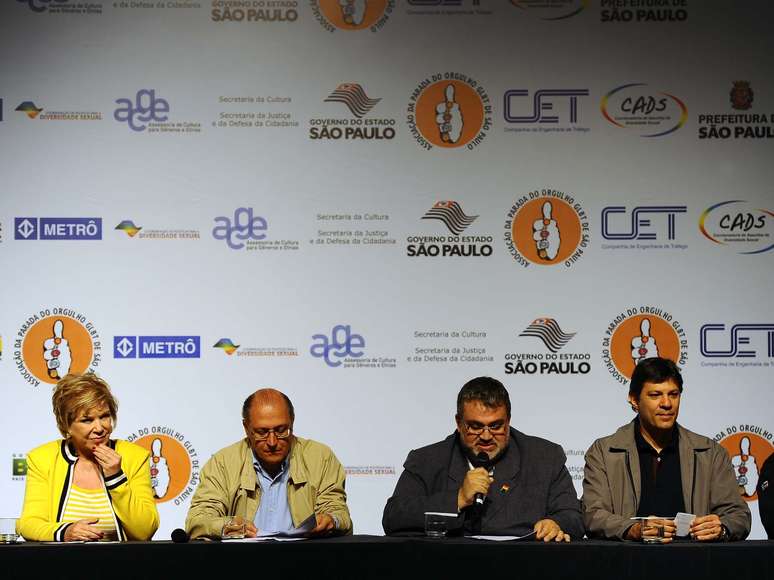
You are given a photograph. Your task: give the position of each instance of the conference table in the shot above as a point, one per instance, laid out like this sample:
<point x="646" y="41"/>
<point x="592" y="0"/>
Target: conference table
<point x="364" y="557"/>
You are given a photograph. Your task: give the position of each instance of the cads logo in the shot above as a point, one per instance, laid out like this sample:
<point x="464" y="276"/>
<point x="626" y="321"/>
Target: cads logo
<point x="553" y="10"/>
<point x="546" y="227"/>
<point x="174" y="463"/>
<point x="748" y="446"/>
<point x="640" y="333"/>
<point x="643" y="110"/>
<point x="336" y="15"/>
<point x="738" y="225"/>
<point x="55" y="342"/>
<point x="449" y="110"/>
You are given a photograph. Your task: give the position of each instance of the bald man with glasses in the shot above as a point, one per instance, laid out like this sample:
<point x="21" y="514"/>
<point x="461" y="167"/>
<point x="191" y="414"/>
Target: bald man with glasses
<point x="278" y="483"/>
<point x="491" y="478"/>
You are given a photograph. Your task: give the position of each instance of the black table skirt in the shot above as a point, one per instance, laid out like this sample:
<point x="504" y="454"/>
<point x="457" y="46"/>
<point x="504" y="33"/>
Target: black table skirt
<point x="365" y="557"/>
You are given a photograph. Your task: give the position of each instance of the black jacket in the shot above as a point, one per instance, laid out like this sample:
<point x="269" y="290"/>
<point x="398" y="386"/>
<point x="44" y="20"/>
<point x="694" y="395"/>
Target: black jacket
<point x="530" y="483"/>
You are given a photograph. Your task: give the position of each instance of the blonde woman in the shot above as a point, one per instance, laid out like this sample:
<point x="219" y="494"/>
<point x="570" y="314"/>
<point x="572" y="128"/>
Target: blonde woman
<point x="87" y="487"/>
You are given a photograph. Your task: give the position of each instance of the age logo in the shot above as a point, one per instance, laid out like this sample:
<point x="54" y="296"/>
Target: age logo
<point x="55" y="342"/>
<point x="546" y="227"/>
<point x="352" y="14"/>
<point x="640" y="333"/>
<point x="145" y="108"/>
<point x="341" y="344"/>
<point x="174" y="463"/>
<point x="642" y="110"/>
<point x="449" y="110"/>
<point x="244" y="227"/>
<point x="738" y="225"/>
<point x="748" y="446"/>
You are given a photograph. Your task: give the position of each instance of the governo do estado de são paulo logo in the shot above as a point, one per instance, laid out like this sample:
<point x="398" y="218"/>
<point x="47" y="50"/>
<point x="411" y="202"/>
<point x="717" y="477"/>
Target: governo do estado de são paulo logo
<point x="55" y="342"/>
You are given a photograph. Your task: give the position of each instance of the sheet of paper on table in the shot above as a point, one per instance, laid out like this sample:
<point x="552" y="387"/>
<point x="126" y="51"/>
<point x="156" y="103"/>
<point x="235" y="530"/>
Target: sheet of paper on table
<point x="501" y="538"/>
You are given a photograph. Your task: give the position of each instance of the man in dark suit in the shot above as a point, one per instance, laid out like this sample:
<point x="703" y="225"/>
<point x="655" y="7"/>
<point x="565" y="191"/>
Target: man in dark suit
<point x="521" y="481"/>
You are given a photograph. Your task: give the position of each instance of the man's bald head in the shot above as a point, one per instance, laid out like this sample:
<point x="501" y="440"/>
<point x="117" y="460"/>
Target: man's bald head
<point x="268" y="398"/>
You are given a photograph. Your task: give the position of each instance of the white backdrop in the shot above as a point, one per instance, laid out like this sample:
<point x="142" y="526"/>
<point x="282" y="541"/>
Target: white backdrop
<point x="70" y="73"/>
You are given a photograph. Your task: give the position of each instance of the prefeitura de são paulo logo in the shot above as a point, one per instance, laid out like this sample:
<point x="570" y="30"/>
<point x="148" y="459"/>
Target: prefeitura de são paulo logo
<point x="546" y="227"/>
<point x="174" y="462"/>
<point x="54" y="342"/>
<point x="638" y="333"/>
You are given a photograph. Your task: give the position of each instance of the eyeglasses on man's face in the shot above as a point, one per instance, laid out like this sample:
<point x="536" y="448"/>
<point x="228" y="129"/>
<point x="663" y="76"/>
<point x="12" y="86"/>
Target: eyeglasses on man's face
<point x="281" y="432"/>
<point x="477" y="429"/>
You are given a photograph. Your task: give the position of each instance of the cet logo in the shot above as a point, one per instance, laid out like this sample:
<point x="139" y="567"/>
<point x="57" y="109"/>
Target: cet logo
<point x="738" y="224"/>
<point x="714" y="338"/>
<point x="543" y="102"/>
<point x="650" y="113"/>
<point x="548" y="330"/>
<point x="29" y="108"/>
<point x="617" y="224"/>
<point x="546" y="227"/>
<point x="553" y="10"/>
<point x="639" y="334"/>
<point x="128" y="227"/>
<point x="353" y="95"/>
<point x="741" y="95"/>
<point x="352" y="14"/>
<point x="748" y="446"/>
<point x="174" y="463"/>
<point x="341" y="344"/>
<point x="452" y="216"/>
<point x="243" y="227"/>
<point x="31" y="228"/>
<point x="156" y="347"/>
<point x="56" y="342"/>
<point x="227" y="345"/>
<point x="145" y="108"/>
<point x="449" y="111"/>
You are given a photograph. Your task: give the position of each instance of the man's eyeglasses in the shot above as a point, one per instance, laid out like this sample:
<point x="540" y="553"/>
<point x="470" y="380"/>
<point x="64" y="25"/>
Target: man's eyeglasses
<point x="279" y="432"/>
<point x="477" y="429"/>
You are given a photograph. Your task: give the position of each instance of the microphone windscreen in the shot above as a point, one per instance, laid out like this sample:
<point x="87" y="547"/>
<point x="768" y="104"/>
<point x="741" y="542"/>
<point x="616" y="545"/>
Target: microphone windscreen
<point x="179" y="536"/>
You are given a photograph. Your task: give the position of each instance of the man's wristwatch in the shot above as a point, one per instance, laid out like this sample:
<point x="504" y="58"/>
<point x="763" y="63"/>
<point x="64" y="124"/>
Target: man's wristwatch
<point x="723" y="533"/>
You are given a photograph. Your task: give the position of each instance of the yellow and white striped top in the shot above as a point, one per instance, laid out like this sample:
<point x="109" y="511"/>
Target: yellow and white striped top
<point x="92" y="504"/>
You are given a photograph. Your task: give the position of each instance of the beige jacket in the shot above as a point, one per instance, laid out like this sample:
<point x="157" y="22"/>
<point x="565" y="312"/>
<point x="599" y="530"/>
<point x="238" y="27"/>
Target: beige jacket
<point x="611" y="484"/>
<point x="229" y="487"/>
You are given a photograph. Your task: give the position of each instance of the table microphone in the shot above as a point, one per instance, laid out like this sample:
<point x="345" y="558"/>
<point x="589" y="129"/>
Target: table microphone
<point x="179" y="536"/>
<point x="482" y="460"/>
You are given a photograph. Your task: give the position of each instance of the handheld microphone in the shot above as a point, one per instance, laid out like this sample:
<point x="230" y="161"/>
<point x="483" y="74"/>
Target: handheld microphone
<point x="482" y="460"/>
<point x="179" y="536"/>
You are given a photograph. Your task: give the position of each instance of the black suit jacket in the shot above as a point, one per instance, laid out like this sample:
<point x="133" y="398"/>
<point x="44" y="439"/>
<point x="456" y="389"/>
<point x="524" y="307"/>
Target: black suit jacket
<point x="530" y="483"/>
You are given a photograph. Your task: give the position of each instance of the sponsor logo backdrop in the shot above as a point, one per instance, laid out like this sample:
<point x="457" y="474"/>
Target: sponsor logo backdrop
<point x="367" y="203"/>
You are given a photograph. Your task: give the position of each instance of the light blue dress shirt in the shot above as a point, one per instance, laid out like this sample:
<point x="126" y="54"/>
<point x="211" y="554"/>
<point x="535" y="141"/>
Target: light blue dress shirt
<point x="273" y="515"/>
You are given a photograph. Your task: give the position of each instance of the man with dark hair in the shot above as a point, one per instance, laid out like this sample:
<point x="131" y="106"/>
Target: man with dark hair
<point x="493" y="478"/>
<point x="655" y="467"/>
<point x="278" y="483"/>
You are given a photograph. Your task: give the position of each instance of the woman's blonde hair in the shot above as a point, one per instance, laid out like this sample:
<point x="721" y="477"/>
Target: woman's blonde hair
<point x="80" y="392"/>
